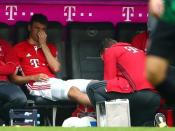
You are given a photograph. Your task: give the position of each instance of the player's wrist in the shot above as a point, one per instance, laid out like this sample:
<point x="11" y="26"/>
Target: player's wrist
<point x="43" y="45"/>
<point x="33" y="78"/>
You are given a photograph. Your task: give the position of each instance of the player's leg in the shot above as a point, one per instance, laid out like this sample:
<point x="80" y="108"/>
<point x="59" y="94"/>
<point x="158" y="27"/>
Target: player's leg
<point x="156" y="69"/>
<point x="160" y="55"/>
<point x="12" y="97"/>
<point x="70" y="90"/>
<point x="77" y="91"/>
<point x="78" y="96"/>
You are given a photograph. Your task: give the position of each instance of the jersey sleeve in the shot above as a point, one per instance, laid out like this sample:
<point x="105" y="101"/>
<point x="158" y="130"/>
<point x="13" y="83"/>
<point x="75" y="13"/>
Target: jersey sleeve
<point x="10" y="62"/>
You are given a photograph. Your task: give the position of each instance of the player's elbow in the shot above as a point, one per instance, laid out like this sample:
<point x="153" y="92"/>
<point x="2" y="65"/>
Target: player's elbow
<point x="56" y="69"/>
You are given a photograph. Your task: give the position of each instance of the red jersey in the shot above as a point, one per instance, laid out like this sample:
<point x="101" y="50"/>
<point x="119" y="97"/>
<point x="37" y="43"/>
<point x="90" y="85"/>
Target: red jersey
<point x="8" y="60"/>
<point x="32" y="59"/>
<point x="124" y="69"/>
<point x="140" y="41"/>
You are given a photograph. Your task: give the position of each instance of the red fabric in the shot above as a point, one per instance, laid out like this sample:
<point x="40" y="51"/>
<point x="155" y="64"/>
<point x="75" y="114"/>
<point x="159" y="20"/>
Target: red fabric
<point x="32" y="60"/>
<point x="168" y="112"/>
<point x="140" y="41"/>
<point x="8" y="60"/>
<point x="132" y="60"/>
<point x="169" y="116"/>
<point x="82" y="110"/>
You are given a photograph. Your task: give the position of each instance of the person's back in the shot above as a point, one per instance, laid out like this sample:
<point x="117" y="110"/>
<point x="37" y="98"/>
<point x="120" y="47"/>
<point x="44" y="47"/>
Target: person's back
<point x="124" y="61"/>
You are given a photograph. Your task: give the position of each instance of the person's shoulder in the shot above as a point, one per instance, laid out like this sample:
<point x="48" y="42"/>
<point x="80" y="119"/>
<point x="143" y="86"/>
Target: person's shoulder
<point x="2" y="41"/>
<point x="5" y="43"/>
<point x="123" y="44"/>
<point x="129" y="46"/>
<point x="51" y="44"/>
<point x="112" y="49"/>
<point x="21" y="45"/>
<point x="141" y="34"/>
<point x="144" y="33"/>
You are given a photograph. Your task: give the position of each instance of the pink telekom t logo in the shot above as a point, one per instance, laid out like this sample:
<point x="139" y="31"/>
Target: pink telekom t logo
<point x="128" y="12"/>
<point x="69" y="11"/>
<point x="34" y="62"/>
<point x="11" y="11"/>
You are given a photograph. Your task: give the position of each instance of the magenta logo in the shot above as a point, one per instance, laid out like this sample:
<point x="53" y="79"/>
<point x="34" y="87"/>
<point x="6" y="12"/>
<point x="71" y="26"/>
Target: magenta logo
<point x="69" y="11"/>
<point x="34" y="62"/>
<point x="128" y="12"/>
<point x="11" y="11"/>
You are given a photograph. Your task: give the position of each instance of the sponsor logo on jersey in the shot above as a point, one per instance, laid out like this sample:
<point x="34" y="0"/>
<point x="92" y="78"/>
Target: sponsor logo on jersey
<point x="28" y="55"/>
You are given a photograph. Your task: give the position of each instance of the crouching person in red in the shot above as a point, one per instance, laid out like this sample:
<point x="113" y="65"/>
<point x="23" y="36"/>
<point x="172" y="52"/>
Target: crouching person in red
<point x="11" y="96"/>
<point x="124" y="78"/>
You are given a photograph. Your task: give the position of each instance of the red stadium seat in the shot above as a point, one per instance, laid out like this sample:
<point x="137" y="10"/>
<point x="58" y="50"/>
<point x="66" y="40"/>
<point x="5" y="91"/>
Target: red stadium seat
<point x="126" y="31"/>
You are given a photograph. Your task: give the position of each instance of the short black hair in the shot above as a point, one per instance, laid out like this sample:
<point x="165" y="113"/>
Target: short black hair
<point x="39" y="18"/>
<point x="106" y="43"/>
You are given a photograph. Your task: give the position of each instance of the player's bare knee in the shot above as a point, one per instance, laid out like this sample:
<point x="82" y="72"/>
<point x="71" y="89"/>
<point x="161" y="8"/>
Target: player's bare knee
<point x="73" y="92"/>
<point x="155" y="76"/>
<point x="156" y="69"/>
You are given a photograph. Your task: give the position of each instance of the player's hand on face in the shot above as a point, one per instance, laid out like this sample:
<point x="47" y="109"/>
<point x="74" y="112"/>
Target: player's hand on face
<point x="42" y="37"/>
<point x="41" y="77"/>
<point x="156" y="7"/>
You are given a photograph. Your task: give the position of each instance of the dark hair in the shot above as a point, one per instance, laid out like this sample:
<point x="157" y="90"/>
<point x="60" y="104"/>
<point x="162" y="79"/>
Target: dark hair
<point x="39" y="18"/>
<point x="107" y="42"/>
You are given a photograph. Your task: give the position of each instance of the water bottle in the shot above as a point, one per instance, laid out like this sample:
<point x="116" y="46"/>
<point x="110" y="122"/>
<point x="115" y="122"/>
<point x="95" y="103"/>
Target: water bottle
<point x="38" y="116"/>
<point x="27" y="121"/>
<point x="32" y="120"/>
<point x="27" y="113"/>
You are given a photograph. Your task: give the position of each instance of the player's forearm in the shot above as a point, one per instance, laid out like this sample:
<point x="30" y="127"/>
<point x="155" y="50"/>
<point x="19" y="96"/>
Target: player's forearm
<point x="21" y="79"/>
<point x="51" y="60"/>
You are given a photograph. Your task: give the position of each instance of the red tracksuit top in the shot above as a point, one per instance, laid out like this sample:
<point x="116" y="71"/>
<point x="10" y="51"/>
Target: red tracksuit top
<point x="8" y="60"/>
<point x="133" y="62"/>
